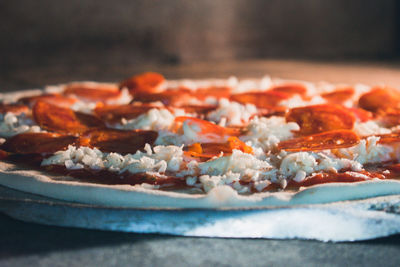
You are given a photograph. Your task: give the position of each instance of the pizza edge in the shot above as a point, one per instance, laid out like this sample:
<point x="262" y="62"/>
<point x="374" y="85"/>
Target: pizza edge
<point x="126" y="196"/>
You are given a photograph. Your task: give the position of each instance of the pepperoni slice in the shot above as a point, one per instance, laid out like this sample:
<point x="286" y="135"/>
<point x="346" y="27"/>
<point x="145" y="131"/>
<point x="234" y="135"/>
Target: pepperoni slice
<point x="203" y="131"/>
<point x="332" y="177"/>
<point x="38" y="143"/>
<point x="114" y="113"/>
<point x="92" y="92"/>
<point x="54" y="99"/>
<point x="291" y="88"/>
<point x="3" y="154"/>
<point x="268" y="112"/>
<point x="209" y="150"/>
<point x="361" y="114"/>
<point x="14" y="108"/>
<point x="63" y="120"/>
<point x="321" y="141"/>
<point x="266" y="99"/>
<point x="389" y="138"/>
<point x="147" y="83"/>
<point x="340" y="95"/>
<point x="389" y="117"/>
<point x="321" y="118"/>
<point x="212" y="91"/>
<point x="380" y="98"/>
<point x="181" y="96"/>
<point x="120" y="141"/>
<point x="175" y="98"/>
<point x="394" y="170"/>
<point x="199" y="109"/>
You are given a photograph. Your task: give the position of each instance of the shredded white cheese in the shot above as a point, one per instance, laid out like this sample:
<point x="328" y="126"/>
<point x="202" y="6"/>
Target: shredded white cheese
<point x="369" y="151"/>
<point x="84" y="107"/>
<point x="299" y="165"/>
<point x="230" y="170"/>
<point x="159" y="160"/>
<point x="232" y="113"/>
<point x="297" y="101"/>
<point x="268" y="132"/>
<point x="12" y="124"/>
<point x="369" y="128"/>
<point x="248" y="85"/>
<point x="154" y="119"/>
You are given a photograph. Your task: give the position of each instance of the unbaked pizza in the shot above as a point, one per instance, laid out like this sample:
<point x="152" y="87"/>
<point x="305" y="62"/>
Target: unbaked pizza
<point x="148" y="141"/>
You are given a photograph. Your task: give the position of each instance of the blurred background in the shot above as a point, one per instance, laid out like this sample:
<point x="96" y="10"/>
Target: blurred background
<point x="49" y="41"/>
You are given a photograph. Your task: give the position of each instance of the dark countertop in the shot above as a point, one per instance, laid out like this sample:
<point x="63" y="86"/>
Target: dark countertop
<point x="27" y="244"/>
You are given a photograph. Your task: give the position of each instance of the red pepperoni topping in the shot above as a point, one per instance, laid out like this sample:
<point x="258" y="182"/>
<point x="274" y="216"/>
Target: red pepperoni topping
<point x="199" y="109"/>
<point x="114" y="113"/>
<point x="205" y="131"/>
<point x="291" y="88"/>
<point x="209" y="150"/>
<point x="14" y="108"/>
<point x="212" y="91"/>
<point x="38" y="143"/>
<point x="394" y="170"/>
<point x="389" y="117"/>
<point x="145" y="83"/>
<point x="321" y="118"/>
<point x="361" y="114"/>
<point x="321" y="141"/>
<point x="339" y="96"/>
<point x="92" y="92"/>
<point x="181" y="96"/>
<point x="266" y="99"/>
<point x="54" y="99"/>
<point x="120" y="141"/>
<point x="380" y="98"/>
<point x="63" y="120"/>
<point x="174" y="98"/>
<point x="3" y="154"/>
<point x="389" y="138"/>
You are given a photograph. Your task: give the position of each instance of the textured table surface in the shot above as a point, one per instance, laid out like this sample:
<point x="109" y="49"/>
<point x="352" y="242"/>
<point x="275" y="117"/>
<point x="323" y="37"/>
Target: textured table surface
<point x="27" y="244"/>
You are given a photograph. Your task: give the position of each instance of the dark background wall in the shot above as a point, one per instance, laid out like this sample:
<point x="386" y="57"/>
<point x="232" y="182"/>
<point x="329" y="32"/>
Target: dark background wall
<point x="77" y="34"/>
<point x="183" y="31"/>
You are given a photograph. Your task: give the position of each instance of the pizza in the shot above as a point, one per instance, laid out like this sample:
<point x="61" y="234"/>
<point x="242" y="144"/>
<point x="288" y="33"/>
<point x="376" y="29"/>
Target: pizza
<point x="152" y="142"/>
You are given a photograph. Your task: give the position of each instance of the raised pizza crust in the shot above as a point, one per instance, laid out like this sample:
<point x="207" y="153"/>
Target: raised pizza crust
<point x="65" y="188"/>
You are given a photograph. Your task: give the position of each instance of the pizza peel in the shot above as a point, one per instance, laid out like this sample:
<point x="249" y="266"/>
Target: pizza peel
<point x="336" y="222"/>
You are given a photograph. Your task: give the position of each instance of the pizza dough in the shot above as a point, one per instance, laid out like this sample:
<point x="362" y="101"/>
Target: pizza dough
<point x="65" y="188"/>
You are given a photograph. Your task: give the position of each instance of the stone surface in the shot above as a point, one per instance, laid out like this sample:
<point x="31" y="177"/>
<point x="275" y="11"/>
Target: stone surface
<point x="25" y="244"/>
